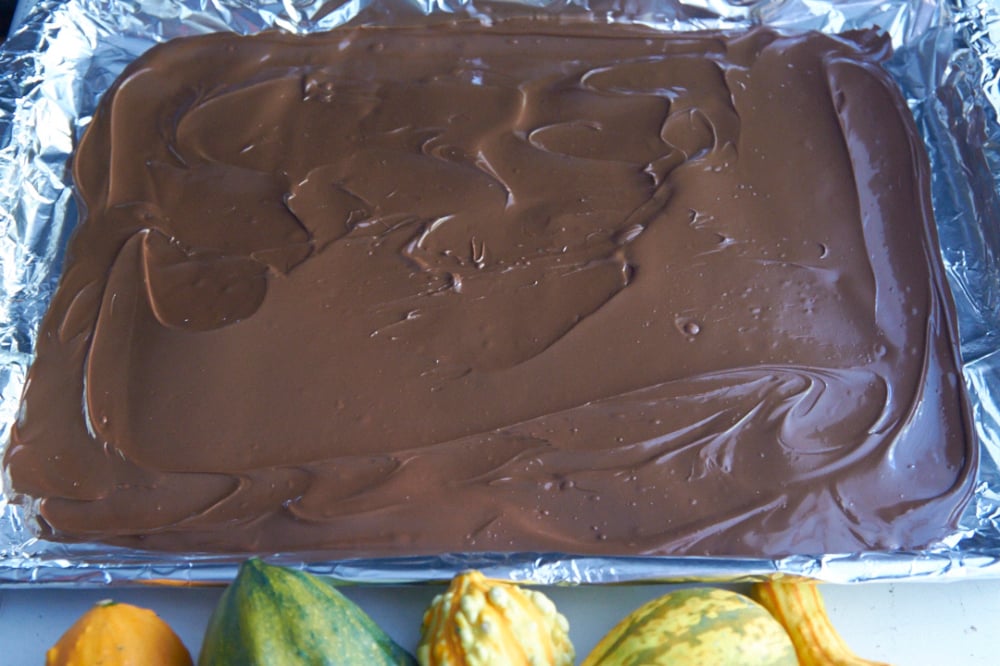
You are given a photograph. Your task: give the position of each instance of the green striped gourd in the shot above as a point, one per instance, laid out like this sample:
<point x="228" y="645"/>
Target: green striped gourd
<point x="698" y="626"/>
<point x="276" y="616"/>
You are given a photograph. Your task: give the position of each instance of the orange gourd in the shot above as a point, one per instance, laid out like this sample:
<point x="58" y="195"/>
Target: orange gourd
<point x="116" y="634"/>
<point x="798" y="606"/>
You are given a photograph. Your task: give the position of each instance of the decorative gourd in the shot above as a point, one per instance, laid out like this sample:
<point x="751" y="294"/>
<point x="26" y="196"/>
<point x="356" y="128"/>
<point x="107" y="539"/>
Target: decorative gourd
<point x="696" y="626"/>
<point x="115" y="634"/>
<point x="272" y="615"/>
<point x="482" y="622"/>
<point x="799" y="607"/>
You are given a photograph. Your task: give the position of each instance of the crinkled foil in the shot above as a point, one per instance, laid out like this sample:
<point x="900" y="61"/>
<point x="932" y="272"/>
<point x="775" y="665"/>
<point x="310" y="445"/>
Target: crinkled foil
<point x="65" y="54"/>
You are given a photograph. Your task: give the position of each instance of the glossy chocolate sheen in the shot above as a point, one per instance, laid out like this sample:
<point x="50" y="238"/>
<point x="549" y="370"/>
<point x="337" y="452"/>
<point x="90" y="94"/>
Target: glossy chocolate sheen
<point x="534" y="287"/>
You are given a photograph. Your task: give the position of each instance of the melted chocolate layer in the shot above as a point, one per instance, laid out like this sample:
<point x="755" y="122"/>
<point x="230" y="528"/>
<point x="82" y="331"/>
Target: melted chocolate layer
<point x="533" y="287"/>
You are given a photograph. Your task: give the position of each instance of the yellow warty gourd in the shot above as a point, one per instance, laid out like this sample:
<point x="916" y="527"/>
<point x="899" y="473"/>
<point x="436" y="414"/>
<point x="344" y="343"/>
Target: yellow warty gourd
<point x="484" y="622"/>
<point x="114" y="634"/>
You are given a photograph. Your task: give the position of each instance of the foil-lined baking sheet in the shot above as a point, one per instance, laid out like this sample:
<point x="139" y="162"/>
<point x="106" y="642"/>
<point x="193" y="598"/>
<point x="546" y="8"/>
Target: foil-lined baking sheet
<point x="65" y="54"/>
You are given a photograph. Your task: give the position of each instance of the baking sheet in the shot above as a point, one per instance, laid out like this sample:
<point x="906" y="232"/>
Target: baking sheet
<point x="66" y="54"/>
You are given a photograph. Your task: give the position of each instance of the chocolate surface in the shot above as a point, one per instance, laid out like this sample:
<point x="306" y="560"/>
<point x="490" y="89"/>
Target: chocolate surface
<point x="524" y="288"/>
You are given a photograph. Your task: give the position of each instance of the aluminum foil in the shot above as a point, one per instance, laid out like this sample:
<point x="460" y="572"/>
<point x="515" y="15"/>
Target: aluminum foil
<point x="65" y="54"/>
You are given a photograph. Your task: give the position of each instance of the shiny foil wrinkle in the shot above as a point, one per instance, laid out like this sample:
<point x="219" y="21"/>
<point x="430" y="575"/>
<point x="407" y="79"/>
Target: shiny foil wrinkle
<point x="535" y="287"/>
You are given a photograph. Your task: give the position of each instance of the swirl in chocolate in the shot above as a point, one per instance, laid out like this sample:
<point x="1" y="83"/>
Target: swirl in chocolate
<point x="530" y="287"/>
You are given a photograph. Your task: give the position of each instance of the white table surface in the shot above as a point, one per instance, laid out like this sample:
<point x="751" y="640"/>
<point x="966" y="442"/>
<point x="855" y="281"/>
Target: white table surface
<point x="953" y="623"/>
